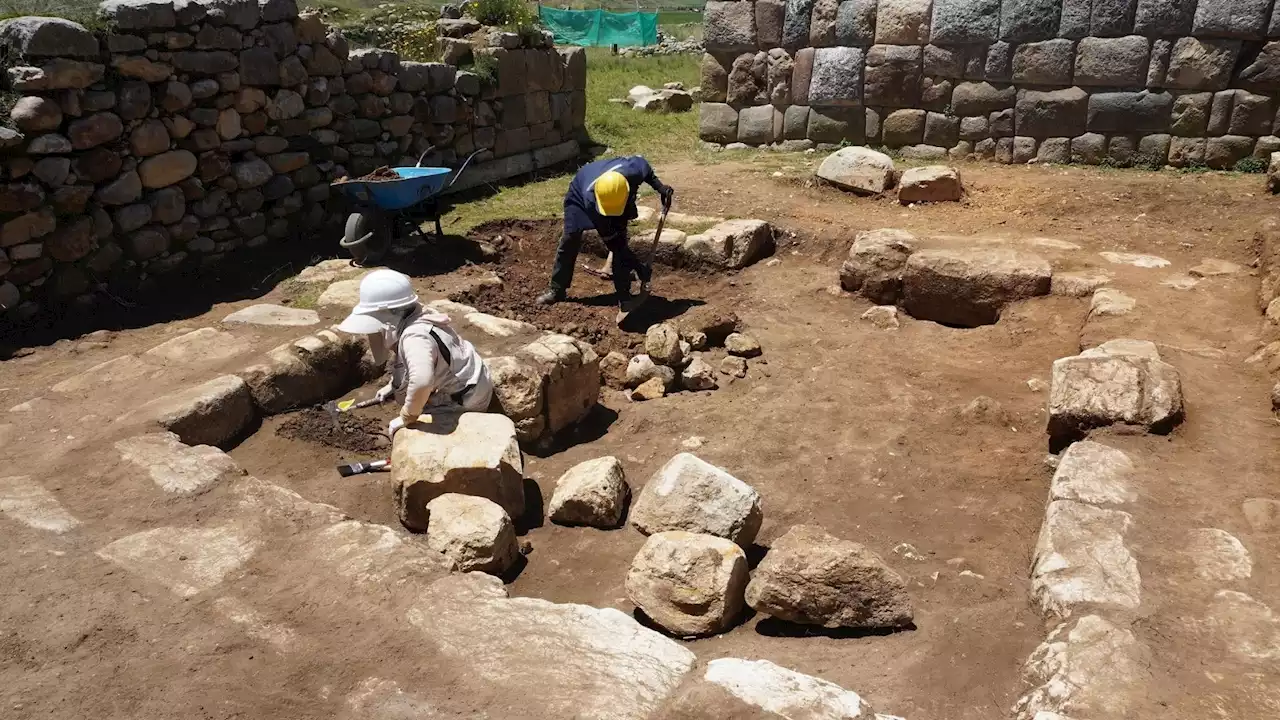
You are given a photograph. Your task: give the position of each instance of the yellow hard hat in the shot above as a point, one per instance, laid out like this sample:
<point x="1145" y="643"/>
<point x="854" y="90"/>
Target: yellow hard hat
<point x="612" y="191"/>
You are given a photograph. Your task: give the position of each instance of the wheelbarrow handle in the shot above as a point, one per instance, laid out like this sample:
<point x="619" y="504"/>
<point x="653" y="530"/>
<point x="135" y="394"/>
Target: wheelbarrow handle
<point x="458" y="173"/>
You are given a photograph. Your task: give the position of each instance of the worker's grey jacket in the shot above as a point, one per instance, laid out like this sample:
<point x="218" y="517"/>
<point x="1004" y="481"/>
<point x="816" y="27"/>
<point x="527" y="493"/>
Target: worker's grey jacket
<point x="419" y="373"/>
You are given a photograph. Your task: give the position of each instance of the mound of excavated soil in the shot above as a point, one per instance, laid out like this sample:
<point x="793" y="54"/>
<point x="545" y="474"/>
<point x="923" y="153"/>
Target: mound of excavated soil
<point x="528" y="253"/>
<point x="357" y="434"/>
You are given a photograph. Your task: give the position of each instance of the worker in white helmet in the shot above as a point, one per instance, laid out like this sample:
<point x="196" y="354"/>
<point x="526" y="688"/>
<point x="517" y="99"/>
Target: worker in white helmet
<point x="432" y="366"/>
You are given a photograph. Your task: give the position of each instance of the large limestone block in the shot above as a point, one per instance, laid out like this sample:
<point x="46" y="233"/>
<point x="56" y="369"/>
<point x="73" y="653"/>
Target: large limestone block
<point x="593" y="493"/>
<point x="519" y="392"/>
<point x="26" y="501"/>
<point x="903" y="22"/>
<point x="212" y="413"/>
<point x="468" y="453"/>
<point x="970" y="287"/>
<point x="1086" y="668"/>
<point x="584" y="661"/>
<point x="1081" y="560"/>
<point x="875" y="264"/>
<point x="1093" y="473"/>
<point x="931" y="183"/>
<point x="178" y="468"/>
<point x="272" y="316"/>
<point x="572" y="371"/>
<point x="691" y="494"/>
<point x="1111" y="385"/>
<point x="472" y="533"/>
<point x="689" y="583"/>
<point x="813" y="578"/>
<point x="203" y="345"/>
<point x="765" y="690"/>
<point x="732" y="244"/>
<point x="859" y="169"/>
<point x="186" y="561"/>
<point x="308" y="371"/>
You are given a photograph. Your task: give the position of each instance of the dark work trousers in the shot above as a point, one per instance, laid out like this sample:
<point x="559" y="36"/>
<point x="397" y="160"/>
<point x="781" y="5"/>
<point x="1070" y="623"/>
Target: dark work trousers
<point x="624" y="263"/>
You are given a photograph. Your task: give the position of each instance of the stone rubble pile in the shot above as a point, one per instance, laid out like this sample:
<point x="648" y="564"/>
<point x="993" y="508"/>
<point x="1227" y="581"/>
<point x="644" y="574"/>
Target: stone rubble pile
<point x="666" y="46"/>
<point x="672" y="98"/>
<point x="680" y="358"/>
<point x="1181" y="83"/>
<point x="184" y="131"/>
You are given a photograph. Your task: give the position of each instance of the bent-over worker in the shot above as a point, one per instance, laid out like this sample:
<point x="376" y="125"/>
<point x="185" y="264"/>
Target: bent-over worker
<point x="432" y="366"/>
<point x="602" y="197"/>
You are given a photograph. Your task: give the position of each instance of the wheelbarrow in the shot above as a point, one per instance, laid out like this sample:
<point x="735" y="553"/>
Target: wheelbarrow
<point x="385" y="209"/>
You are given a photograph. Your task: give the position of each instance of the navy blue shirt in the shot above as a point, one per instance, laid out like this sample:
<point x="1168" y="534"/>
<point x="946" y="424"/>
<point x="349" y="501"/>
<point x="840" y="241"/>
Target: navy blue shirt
<point x="580" y="211"/>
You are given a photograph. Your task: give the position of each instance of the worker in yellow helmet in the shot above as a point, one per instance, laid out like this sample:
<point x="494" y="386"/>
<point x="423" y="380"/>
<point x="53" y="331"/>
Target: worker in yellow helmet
<point x="602" y="197"/>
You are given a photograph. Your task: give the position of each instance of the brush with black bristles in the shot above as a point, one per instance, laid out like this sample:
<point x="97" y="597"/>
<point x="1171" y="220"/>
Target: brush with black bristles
<point x="360" y="468"/>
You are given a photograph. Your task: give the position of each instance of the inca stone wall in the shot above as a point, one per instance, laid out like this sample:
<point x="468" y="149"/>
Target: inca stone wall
<point x="1182" y="82"/>
<point x="195" y="128"/>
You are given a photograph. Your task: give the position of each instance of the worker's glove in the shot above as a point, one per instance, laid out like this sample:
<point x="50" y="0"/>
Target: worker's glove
<point x="667" y="193"/>
<point x="396" y="425"/>
<point x="384" y="393"/>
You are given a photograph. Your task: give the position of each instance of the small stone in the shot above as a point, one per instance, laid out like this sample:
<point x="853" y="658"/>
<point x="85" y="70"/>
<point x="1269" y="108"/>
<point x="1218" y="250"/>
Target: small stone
<point x="593" y="493"/>
<point x="858" y="169"/>
<point x="473" y="533"/>
<point x="932" y="183"/>
<point x="651" y="389"/>
<point x="884" y="317"/>
<point x="690" y="494"/>
<point x="662" y="343"/>
<point x="642" y="368"/>
<point x="689" y="584"/>
<point x="698" y="375"/>
<point x="734" y="367"/>
<point x="742" y="345"/>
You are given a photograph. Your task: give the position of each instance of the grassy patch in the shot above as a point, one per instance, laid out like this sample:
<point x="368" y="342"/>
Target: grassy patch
<point x="302" y="295"/>
<point x="84" y="12"/>
<point x="542" y="198"/>
<point x="630" y="132"/>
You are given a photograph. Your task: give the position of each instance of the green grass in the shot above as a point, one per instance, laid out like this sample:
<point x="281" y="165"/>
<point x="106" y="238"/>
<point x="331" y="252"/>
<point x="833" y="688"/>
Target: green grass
<point x="627" y="131"/>
<point x="679" y="17"/>
<point x="84" y="12"/>
<point x="542" y="198"/>
<point x="301" y="295"/>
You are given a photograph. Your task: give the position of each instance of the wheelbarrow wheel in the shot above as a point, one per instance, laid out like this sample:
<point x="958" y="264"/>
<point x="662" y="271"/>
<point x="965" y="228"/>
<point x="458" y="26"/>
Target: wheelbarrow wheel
<point x="367" y="237"/>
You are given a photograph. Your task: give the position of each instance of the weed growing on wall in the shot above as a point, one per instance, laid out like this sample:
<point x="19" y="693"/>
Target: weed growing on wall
<point x="409" y="29"/>
<point x="515" y="15"/>
<point x="1251" y="165"/>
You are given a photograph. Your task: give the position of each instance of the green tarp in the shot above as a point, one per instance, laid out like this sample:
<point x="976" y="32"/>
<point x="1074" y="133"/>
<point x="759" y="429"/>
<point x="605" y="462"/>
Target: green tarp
<point x="598" y="27"/>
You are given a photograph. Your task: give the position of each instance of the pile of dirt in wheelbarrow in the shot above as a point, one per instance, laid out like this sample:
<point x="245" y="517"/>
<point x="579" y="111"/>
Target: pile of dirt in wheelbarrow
<point x="353" y="433"/>
<point x="382" y="174"/>
<point x="527" y="253"/>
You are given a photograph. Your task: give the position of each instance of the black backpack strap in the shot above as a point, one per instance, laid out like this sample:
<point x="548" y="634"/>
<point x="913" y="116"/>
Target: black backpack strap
<point x="444" y="351"/>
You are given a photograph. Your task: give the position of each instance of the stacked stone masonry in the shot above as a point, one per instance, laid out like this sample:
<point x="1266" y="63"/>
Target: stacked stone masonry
<point x="1150" y="82"/>
<point x="189" y="129"/>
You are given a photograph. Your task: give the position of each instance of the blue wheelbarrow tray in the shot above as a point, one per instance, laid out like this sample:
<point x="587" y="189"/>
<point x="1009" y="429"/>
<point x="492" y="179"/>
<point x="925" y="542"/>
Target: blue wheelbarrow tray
<point x="416" y="185"/>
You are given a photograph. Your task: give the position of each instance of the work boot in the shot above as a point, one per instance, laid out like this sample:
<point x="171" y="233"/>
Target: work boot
<point x="550" y="297"/>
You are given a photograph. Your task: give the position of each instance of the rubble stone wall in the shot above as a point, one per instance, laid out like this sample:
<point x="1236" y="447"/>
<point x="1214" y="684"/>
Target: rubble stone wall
<point x="193" y="128"/>
<point x="1182" y="82"/>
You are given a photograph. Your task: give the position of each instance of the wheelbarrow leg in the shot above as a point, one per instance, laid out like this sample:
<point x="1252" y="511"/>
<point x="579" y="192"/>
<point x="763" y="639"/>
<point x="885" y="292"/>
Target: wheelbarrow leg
<point x="439" y="229"/>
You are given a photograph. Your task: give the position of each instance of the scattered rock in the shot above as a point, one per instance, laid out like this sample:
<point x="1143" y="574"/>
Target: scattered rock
<point x="592" y="493"/>
<point x="742" y="345"/>
<point x="813" y="578"/>
<point x="884" y="317"/>
<point x="689" y="583"/>
<point x="931" y="183"/>
<point x="613" y="367"/>
<point x="698" y="375"/>
<point x="1211" y="267"/>
<point x="769" y="691"/>
<point x="875" y="264"/>
<point x="734" y="367"/>
<point x="715" y="324"/>
<point x="662" y="343"/>
<point x="642" y="369"/>
<point x="690" y="494"/>
<point x="859" y="169"/>
<point x="651" y="389"/>
<point x="470" y="454"/>
<point x="983" y="409"/>
<point x="473" y="533"/>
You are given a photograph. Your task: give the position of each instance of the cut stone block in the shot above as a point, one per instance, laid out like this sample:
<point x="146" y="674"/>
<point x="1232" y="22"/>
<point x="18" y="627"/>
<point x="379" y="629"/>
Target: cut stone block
<point x="875" y="264"/>
<point x="592" y="493"/>
<point x="1130" y="112"/>
<point x="836" y="78"/>
<point x="1201" y="63"/>
<point x="892" y="76"/>
<point x="859" y="169"/>
<point x="1244" y="19"/>
<point x="1093" y="473"/>
<point x="1119" y="382"/>
<point x="1114" y="62"/>
<point x="1029" y="20"/>
<point x="186" y="561"/>
<point x="585" y="661"/>
<point x="968" y="288"/>
<point x="904" y="127"/>
<point x="856" y="23"/>
<point x="1044" y="63"/>
<point x="472" y="533"/>
<point x="26" y="501"/>
<point x="812" y="578"/>
<point x="212" y="413"/>
<point x="272" y="316"/>
<point x="718" y="122"/>
<point x="1086" y="668"/>
<point x="732" y="244"/>
<point x="311" y="370"/>
<point x="759" y="686"/>
<point x="469" y="454"/>
<point x="177" y="468"/>
<point x="965" y="21"/>
<point x="205" y="345"/>
<point x="1055" y="113"/>
<point x="690" y="584"/>
<point x="518" y="390"/>
<point x="730" y="26"/>
<point x="1164" y="18"/>
<point x="1218" y="557"/>
<point x="1081" y="560"/>
<point x="982" y="98"/>
<point x="122" y="371"/>
<point x="931" y="183"/>
<point x="690" y="494"/>
<point x="572" y="371"/>
<point x="903" y="22"/>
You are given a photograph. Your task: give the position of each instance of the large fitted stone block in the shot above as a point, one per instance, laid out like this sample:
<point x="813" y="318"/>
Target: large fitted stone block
<point x="795" y="123"/>
<point x="1129" y="112"/>
<point x="1044" y="63"/>
<point x="1164" y="18"/>
<point x="893" y="75"/>
<point x="1244" y="19"/>
<point x="730" y="26"/>
<point x="717" y="123"/>
<point x="1114" y="62"/>
<point x="903" y="127"/>
<point x="795" y="24"/>
<point x="822" y="23"/>
<point x="755" y="125"/>
<point x="1057" y="113"/>
<point x="982" y="98"/>
<point x="747" y="79"/>
<point x="837" y="76"/>
<point x="1222" y="153"/>
<point x="998" y="66"/>
<point x="1265" y="69"/>
<point x="945" y="61"/>
<point x="965" y="21"/>
<point x="770" y="15"/>
<point x="835" y="124"/>
<point x="1201" y="64"/>
<point x="856" y="22"/>
<point x="1190" y="114"/>
<point x="1111" y="18"/>
<point x="903" y="22"/>
<point x="1220" y="112"/>
<point x="715" y="78"/>
<point x="1029" y="20"/>
<point x="802" y="76"/>
<point x="1074" y="22"/>
<point x="1251" y="114"/>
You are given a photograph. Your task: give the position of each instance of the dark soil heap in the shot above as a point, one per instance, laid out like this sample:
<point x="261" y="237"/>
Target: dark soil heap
<point x="314" y="425"/>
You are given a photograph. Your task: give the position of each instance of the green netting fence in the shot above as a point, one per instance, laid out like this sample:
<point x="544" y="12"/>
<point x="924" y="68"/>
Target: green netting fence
<point x="600" y="27"/>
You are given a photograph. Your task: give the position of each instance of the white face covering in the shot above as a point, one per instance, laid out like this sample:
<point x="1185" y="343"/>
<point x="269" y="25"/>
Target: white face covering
<point x="381" y="343"/>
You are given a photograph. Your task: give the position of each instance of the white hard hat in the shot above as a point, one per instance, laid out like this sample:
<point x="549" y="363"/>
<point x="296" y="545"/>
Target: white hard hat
<point x="379" y="290"/>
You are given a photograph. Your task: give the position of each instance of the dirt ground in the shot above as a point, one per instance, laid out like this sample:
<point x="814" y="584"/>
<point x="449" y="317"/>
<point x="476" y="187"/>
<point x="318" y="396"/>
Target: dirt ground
<point x="860" y="430"/>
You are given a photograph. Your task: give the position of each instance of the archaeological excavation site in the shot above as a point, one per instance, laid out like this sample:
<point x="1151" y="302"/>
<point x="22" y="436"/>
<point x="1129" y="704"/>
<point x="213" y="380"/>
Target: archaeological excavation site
<point x="946" y="386"/>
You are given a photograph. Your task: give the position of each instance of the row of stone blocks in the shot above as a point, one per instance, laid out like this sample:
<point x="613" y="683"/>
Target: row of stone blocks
<point x="747" y="24"/>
